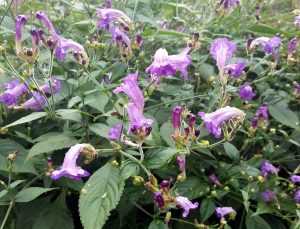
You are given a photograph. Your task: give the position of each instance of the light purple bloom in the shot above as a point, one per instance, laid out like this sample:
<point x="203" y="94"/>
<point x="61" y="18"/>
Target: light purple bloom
<point x="181" y="161"/>
<point x="214" y="121"/>
<point x="246" y="92"/>
<point x="261" y="116"/>
<point x="115" y="132"/>
<point x="235" y="70"/>
<point x="44" y="19"/>
<point x="296" y="88"/>
<point x="268" y="196"/>
<point x="165" y="184"/>
<point x="224" y="211"/>
<point x="36" y="102"/>
<point x="214" y="179"/>
<point x="186" y="205"/>
<point x="297" y="21"/>
<point x="268" y="45"/>
<point x="158" y="199"/>
<point x="181" y="61"/>
<point x="295" y="179"/>
<point x="292" y="46"/>
<point x="176" y="117"/>
<point x="14" y="90"/>
<point x="131" y="88"/>
<point x="222" y="51"/>
<point x="297" y="196"/>
<point x="53" y="86"/>
<point x="120" y="38"/>
<point x="228" y="4"/>
<point x="267" y="168"/>
<point x="109" y="17"/>
<point x="21" y="20"/>
<point x="69" y="167"/>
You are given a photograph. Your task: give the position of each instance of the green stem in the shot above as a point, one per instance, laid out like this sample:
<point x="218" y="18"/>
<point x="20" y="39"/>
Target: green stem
<point x="5" y="12"/>
<point x="135" y="9"/>
<point x="11" y="204"/>
<point x="50" y="82"/>
<point x="141" y="152"/>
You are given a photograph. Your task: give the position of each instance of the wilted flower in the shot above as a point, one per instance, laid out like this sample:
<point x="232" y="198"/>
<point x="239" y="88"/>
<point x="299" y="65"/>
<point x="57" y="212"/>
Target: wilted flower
<point x="51" y="87"/>
<point x="228" y="4"/>
<point x="158" y="199"/>
<point x="261" y="116"/>
<point x="69" y="167"/>
<point x="186" y="205"/>
<point x="222" y="51"/>
<point x="224" y="211"/>
<point x="214" y="121"/>
<point x="115" y="132"/>
<point x="295" y="179"/>
<point x="268" y="196"/>
<point x="297" y="21"/>
<point x="176" y="117"/>
<point x="235" y="70"/>
<point x="246" y="92"/>
<point x="14" y="90"/>
<point x="36" y="102"/>
<point x="110" y="17"/>
<point x="214" y="179"/>
<point x="267" y="168"/>
<point x="297" y="196"/>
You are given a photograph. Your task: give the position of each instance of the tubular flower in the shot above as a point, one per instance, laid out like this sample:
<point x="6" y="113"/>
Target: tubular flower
<point x="261" y="117"/>
<point x="36" y="102"/>
<point x="268" y="45"/>
<point x="121" y="39"/>
<point x="235" y="70"/>
<point x="224" y="211"/>
<point x="267" y="168"/>
<point x="215" y="121"/>
<point x="214" y="179"/>
<point x="21" y="20"/>
<point x="51" y="87"/>
<point x="181" y="161"/>
<point x="186" y="205"/>
<point x="111" y="17"/>
<point x="297" y="196"/>
<point x="115" y="132"/>
<point x="222" y="51"/>
<point x="181" y="61"/>
<point x="69" y="167"/>
<point x="246" y="92"/>
<point x="229" y="4"/>
<point x="295" y="179"/>
<point x="158" y="199"/>
<point x="14" y="90"/>
<point x="176" y="117"/>
<point x="292" y="48"/>
<point x="268" y="196"/>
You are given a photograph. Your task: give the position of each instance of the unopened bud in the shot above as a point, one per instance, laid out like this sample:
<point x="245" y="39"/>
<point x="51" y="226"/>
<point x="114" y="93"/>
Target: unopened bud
<point x="226" y="188"/>
<point x="291" y="185"/>
<point x="214" y="193"/>
<point x="3" y="130"/>
<point x="138" y="180"/>
<point x="204" y="143"/>
<point x="261" y="179"/>
<point x="115" y="163"/>
<point x="12" y="156"/>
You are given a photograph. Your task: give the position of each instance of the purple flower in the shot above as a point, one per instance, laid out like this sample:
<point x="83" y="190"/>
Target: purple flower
<point x="69" y="167"/>
<point x="235" y="70"/>
<point x="228" y="4"/>
<point x="181" y="161"/>
<point x="214" y="121"/>
<point x="115" y="132"/>
<point x="186" y="205"/>
<point x="297" y="21"/>
<point x="14" y="90"/>
<point x="165" y="184"/>
<point x="109" y="17"/>
<point x="131" y="88"/>
<point x="21" y="20"/>
<point x="120" y="38"/>
<point x="267" y="168"/>
<point x="292" y="46"/>
<point x="268" y="45"/>
<point x="246" y="92"/>
<point x="224" y="211"/>
<point x="176" y="117"/>
<point x="139" y="40"/>
<point x="158" y="199"/>
<point x="44" y="19"/>
<point x="51" y="87"/>
<point x="261" y="116"/>
<point x="297" y="196"/>
<point x="181" y="61"/>
<point x="296" y="88"/>
<point x="295" y="179"/>
<point x="268" y="196"/>
<point x="36" y="102"/>
<point x="222" y="51"/>
<point x="108" y="3"/>
<point x="214" y="179"/>
<point x="191" y="120"/>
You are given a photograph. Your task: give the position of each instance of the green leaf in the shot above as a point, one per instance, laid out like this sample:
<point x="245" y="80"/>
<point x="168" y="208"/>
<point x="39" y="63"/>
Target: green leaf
<point x="159" y="158"/>
<point x="245" y="199"/>
<point x="157" y="224"/>
<point x="100" y="129"/>
<point x="129" y="168"/>
<point x="52" y="143"/>
<point x="29" y="194"/>
<point x="97" y="100"/>
<point x="69" y="114"/>
<point x="28" y="118"/>
<point x="265" y="30"/>
<point x="284" y="115"/>
<point x="207" y="208"/>
<point x="192" y="188"/>
<point x="166" y="132"/>
<point x="100" y="195"/>
<point x="231" y="151"/>
<point x="256" y="222"/>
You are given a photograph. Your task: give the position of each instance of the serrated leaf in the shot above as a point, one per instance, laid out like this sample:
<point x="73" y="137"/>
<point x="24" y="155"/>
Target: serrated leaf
<point x="52" y="143"/>
<point x="29" y="118"/>
<point x="157" y="224"/>
<point x="159" y="158"/>
<point x="284" y="115"/>
<point x="31" y="193"/>
<point x="231" y="151"/>
<point x="207" y="208"/>
<point x="100" y="195"/>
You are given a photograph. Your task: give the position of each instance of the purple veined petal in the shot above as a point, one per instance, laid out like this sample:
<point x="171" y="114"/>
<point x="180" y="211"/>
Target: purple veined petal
<point x="181" y="162"/>
<point x="267" y="168"/>
<point x="10" y="96"/>
<point x="297" y="21"/>
<point x="297" y="196"/>
<point x="37" y="102"/>
<point x="161" y="65"/>
<point x="268" y="196"/>
<point x="115" y="132"/>
<point x="235" y="70"/>
<point x="131" y="88"/>
<point x="214" y="121"/>
<point x="246" y="92"/>
<point x="229" y="4"/>
<point x="180" y="62"/>
<point x="295" y="179"/>
<point x="222" y="51"/>
<point x="186" y="205"/>
<point x="108" y="16"/>
<point x="176" y="117"/>
<point x="69" y="167"/>
<point x="52" y="86"/>
<point x="224" y="211"/>
<point x="292" y="46"/>
<point x="44" y="19"/>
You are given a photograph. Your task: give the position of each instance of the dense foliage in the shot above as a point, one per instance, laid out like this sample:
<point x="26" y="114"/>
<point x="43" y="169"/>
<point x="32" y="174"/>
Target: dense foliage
<point x="149" y="114"/>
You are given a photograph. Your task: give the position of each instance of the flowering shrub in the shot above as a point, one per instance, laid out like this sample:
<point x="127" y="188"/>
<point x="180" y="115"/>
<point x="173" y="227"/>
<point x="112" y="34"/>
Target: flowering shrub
<point x="149" y="114"/>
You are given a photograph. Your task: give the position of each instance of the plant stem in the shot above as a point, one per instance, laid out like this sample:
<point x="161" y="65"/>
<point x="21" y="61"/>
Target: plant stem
<point x="5" y="12"/>
<point x="141" y="152"/>
<point x="135" y="9"/>
<point x="11" y="204"/>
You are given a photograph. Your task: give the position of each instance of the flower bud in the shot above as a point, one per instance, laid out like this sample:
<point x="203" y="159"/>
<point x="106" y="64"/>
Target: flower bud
<point x="12" y="156"/>
<point x="115" y="163"/>
<point x="261" y="179"/>
<point x="138" y="180"/>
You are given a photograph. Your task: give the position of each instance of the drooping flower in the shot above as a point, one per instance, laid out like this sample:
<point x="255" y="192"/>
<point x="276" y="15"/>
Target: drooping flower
<point x="297" y="196"/>
<point x="21" y="20"/>
<point x="235" y="70"/>
<point x="222" y="51"/>
<point x="158" y="199"/>
<point x="224" y="211"/>
<point x="131" y="88"/>
<point x="295" y="179"/>
<point x="214" y="121"/>
<point x="246" y="92"/>
<point x="186" y="205"/>
<point x="69" y="167"/>
<point x="297" y="21"/>
<point x="112" y="17"/>
<point x="14" y="90"/>
<point x="261" y="116"/>
<point x="267" y="168"/>
<point x="51" y="87"/>
<point x="36" y="102"/>
<point x="176" y="117"/>
<point x="268" y="45"/>
<point x="268" y="196"/>
<point x="115" y="132"/>
<point x="214" y="179"/>
<point x="229" y="4"/>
